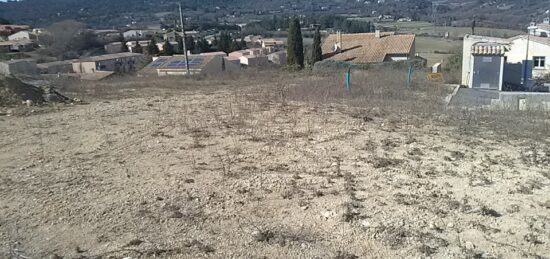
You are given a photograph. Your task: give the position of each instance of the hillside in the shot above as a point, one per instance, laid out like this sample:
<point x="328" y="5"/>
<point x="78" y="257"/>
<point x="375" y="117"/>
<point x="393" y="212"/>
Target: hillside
<point x="106" y="13"/>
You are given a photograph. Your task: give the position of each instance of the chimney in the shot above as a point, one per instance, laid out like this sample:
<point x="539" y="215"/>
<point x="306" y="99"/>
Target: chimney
<point x="377" y="33"/>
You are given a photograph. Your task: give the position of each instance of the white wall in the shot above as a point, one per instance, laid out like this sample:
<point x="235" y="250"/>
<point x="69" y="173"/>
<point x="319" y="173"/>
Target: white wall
<point x="519" y="48"/>
<point x="516" y="54"/>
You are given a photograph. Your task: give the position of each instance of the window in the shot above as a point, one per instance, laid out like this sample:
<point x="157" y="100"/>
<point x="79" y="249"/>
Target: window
<point x="539" y="62"/>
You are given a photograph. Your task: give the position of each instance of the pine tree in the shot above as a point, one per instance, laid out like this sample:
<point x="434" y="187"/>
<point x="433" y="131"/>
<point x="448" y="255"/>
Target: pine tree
<point x="138" y="48"/>
<point x="168" y="49"/>
<point x="152" y="48"/>
<point x="316" y="51"/>
<point x="295" y="51"/>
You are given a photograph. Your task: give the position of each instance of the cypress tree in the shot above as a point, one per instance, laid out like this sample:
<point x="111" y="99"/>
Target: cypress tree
<point x="179" y="40"/>
<point x="152" y="48"/>
<point x="316" y="51"/>
<point x="124" y="47"/>
<point x="167" y="48"/>
<point x="295" y="51"/>
<point x="138" y="48"/>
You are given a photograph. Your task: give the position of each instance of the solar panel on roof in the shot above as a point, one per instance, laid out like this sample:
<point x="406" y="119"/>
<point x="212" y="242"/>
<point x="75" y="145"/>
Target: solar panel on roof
<point x="157" y="63"/>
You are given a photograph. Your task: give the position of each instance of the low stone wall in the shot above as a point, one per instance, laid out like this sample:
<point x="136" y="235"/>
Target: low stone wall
<point x="522" y="101"/>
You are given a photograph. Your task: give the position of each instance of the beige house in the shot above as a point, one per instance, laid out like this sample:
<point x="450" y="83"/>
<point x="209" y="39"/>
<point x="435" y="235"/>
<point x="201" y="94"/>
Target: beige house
<point x="363" y="48"/>
<point x="120" y="62"/>
<point x="272" y="43"/>
<point x="254" y="60"/>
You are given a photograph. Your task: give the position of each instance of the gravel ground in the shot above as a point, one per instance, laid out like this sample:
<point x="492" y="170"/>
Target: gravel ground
<point x="226" y="175"/>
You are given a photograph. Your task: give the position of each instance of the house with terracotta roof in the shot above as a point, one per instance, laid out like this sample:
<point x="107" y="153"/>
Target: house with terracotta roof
<point x="364" y="48"/>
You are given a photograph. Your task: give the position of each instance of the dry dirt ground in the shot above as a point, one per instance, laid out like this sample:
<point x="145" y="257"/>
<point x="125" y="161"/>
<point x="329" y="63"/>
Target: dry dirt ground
<point x="225" y="174"/>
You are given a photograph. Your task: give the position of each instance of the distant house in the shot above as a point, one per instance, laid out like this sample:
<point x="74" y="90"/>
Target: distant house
<point x="252" y="57"/>
<point x="5" y="46"/>
<point x="254" y="60"/>
<point x="113" y="47"/>
<point x="160" y="45"/>
<point x="198" y="64"/>
<point x="62" y="67"/>
<point x="272" y="43"/>
<point x="278" y="58"/>
<point x="8" y="29"/>
<point x="172" y="36"/>
<point x="490" y="62"/>
<point x="22" y="35"/>
<point x="121" y="62"/>
<point x="137" y="34"/>
<point x="18" y="66"/>
<point x="363" y="48"/>
<point x="132" y="44"/>
<point x="541" y="30"/>
<point x="17" y="46"/>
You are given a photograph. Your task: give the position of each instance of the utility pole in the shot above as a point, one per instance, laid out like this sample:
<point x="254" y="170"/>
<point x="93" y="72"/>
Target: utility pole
<point x="183" y="39"/>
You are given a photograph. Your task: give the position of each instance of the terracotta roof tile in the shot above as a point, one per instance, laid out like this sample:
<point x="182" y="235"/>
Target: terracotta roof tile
<point x="367" y="48"/>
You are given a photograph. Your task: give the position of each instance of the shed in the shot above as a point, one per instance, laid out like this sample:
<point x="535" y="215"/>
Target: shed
<point x="487" y="65"/>
<point x="55" y="67"/>
<point x="18" y="66"/>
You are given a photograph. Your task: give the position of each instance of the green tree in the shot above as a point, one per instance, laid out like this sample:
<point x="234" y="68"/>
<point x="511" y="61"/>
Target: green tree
<point x="316" y="51"/>
<point x="4" y="21"/>
<point x="190" y="43"/>
<point x="168" y="49"/>
<point x="179" y="40"/>
<point x="224" y="43"/>
<point x="152" y="48"/>
<point x="234" y="46"/>
<point x="203" y="46"/>
<point x="124" y="47"/>
<point x="295" y="50"/>
<point x="138" y="48"/>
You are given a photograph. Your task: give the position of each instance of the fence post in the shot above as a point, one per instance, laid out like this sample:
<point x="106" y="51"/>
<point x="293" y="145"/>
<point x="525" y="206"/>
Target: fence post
<point x="409" y="75"/>
<point x="347" y="77"/>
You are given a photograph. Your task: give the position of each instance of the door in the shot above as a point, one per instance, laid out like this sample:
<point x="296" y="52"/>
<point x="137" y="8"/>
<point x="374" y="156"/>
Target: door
<point x="486" y="72"/>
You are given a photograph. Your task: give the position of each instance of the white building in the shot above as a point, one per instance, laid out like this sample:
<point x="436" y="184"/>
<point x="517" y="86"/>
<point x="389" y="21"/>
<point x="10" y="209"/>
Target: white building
<point x="22" y="35"/>
<point x="541" y="30"/>
<point x="513" y="50"/>
<point x="136" y="34"/>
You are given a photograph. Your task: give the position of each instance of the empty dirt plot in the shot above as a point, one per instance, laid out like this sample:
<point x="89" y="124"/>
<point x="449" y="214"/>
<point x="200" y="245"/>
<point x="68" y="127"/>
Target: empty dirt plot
<point x="250" y="173"/>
